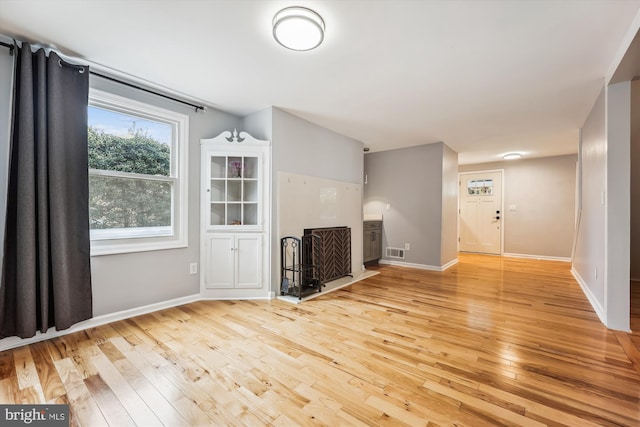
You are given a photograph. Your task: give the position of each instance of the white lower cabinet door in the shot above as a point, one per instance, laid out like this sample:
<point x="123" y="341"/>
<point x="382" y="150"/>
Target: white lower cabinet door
<point x="220" y="272"/>
<point x="248" y="261"/>
<point x="234" y="260"/>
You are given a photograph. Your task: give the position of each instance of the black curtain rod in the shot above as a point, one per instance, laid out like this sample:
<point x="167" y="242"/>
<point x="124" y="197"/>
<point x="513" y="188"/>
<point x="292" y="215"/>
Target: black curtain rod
<point x="10" y="46"/>
<point x="197" y="107"/>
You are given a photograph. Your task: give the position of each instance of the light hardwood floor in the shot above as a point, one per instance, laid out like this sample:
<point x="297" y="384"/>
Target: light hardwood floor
<point x="491" y="341"/>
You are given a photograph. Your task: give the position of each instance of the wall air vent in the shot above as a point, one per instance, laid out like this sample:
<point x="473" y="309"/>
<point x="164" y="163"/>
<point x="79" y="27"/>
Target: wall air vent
<point x="395" y="253"/>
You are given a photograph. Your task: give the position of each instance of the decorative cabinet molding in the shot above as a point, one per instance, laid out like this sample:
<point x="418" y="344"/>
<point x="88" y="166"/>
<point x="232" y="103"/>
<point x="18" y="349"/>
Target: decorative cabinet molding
<point x="235" y="216"/>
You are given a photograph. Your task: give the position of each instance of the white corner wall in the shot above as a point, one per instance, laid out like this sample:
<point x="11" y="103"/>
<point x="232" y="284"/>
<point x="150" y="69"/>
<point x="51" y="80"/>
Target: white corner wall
<point x="589" y="256"/>
<point x="601" y="258"/>
<point x="450" y="188"/>
<point x="618" y="218"/>
<point x="635" y="181"/>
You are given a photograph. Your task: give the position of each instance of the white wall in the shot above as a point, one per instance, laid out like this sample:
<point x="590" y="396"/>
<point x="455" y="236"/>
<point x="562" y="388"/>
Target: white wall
<point x="618" y="298"/>
<point x="309" y="202"/>
<point x="589" y="257"/>
<point x="449" y="238"/>
<point x="635" y="180"/>
<point x="601" y="260"/>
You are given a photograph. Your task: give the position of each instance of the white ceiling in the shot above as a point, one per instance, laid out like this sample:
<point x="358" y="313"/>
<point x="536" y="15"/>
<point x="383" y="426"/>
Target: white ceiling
<point x="485" y="77"/>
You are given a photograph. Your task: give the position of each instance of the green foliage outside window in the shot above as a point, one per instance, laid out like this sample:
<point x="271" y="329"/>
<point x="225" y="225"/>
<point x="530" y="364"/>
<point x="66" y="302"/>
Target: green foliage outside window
<point x="128" y="202"/>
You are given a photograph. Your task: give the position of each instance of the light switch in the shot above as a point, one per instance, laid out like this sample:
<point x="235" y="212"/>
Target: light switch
<point x="513" y="208"/>
<point x="388" y="207"/>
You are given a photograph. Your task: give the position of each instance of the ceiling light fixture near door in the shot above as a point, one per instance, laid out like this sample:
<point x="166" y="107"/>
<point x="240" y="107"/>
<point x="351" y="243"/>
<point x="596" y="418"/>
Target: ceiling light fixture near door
<point x="512" y="156"/>
<point x="298" y="28"/>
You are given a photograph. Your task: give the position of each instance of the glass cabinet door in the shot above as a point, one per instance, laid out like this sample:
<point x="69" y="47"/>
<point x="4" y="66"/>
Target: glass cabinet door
<point x="234" y="190"/>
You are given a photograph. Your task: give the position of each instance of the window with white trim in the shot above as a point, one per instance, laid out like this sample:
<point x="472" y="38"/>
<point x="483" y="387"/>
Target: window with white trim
<point x="137" y="175"/>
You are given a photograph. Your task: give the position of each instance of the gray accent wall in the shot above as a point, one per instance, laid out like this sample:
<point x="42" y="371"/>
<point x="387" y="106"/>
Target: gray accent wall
<point x="259" y="124"/>
<point x="304" y="148"/>
<point x="542" y="190"/>
<point x="417" y="185"/>
<point x="126" y="281"/>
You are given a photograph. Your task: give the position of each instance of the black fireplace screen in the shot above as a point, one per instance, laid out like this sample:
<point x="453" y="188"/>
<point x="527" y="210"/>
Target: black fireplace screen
<point x="333" y="250"/>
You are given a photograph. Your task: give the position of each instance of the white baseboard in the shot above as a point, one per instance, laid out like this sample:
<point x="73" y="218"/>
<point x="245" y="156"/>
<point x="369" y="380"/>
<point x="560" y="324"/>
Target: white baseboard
<point x="597" y="307"/>
<point x="540" y="257"/>
<point x="420" y="266"/>
<point x="13" y="342"/>
<point x="449" y="264"/>
<point x="234" y="298"/>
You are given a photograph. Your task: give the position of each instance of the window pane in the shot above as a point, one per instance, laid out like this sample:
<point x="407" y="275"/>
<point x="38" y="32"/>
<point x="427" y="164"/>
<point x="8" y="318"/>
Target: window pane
<point x="218" y="167"/>
<point x="480" y="187"/>
<point x="128" y="203"/>
<point x="126" y="143"/>
<point x="217" y="214"/>
<point x="251" y="167"/>
<point x="235" y="167"/>
<point x="250" y="214"/>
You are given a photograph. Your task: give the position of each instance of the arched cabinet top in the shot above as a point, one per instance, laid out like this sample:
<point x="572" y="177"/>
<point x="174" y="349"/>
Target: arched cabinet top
<point x="228" y="138"/>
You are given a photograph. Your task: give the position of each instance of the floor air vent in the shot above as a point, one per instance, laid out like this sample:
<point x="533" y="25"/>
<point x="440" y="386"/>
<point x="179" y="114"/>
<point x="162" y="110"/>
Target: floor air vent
<point x="395" y="253"/>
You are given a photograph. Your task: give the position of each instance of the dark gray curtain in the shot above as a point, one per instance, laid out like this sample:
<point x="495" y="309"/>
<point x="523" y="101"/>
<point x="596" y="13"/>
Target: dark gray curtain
<point x="46" y="276"/>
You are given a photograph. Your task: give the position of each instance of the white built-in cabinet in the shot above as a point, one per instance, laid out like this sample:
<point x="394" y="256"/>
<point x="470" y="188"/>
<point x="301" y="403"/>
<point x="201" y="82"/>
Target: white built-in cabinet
<point x="236" y="171"/>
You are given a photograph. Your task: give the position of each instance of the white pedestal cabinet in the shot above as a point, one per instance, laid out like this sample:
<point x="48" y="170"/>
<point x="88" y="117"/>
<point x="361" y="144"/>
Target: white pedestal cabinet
<point x="235" y="216"/>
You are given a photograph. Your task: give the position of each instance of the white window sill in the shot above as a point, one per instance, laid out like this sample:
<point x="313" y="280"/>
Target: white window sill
<point x="140" y="244"/>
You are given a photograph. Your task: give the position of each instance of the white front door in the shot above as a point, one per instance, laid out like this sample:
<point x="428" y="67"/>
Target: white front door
<point x="481" y="213"/>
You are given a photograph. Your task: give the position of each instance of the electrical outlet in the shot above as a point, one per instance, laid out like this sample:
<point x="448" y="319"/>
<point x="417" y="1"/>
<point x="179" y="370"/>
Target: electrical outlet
<point x="193" y="268"/>
<point x="407" y="247"/>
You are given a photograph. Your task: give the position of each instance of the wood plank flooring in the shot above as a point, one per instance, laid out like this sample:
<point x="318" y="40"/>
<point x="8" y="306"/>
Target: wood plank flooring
<point x="491" y="341"/>
<point x="631" y="342"/>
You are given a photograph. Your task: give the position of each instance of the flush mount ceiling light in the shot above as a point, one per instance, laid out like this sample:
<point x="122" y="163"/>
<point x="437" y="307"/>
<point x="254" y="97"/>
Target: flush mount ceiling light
<point x="512" y="156"/>
<point x="298" y="28"/>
